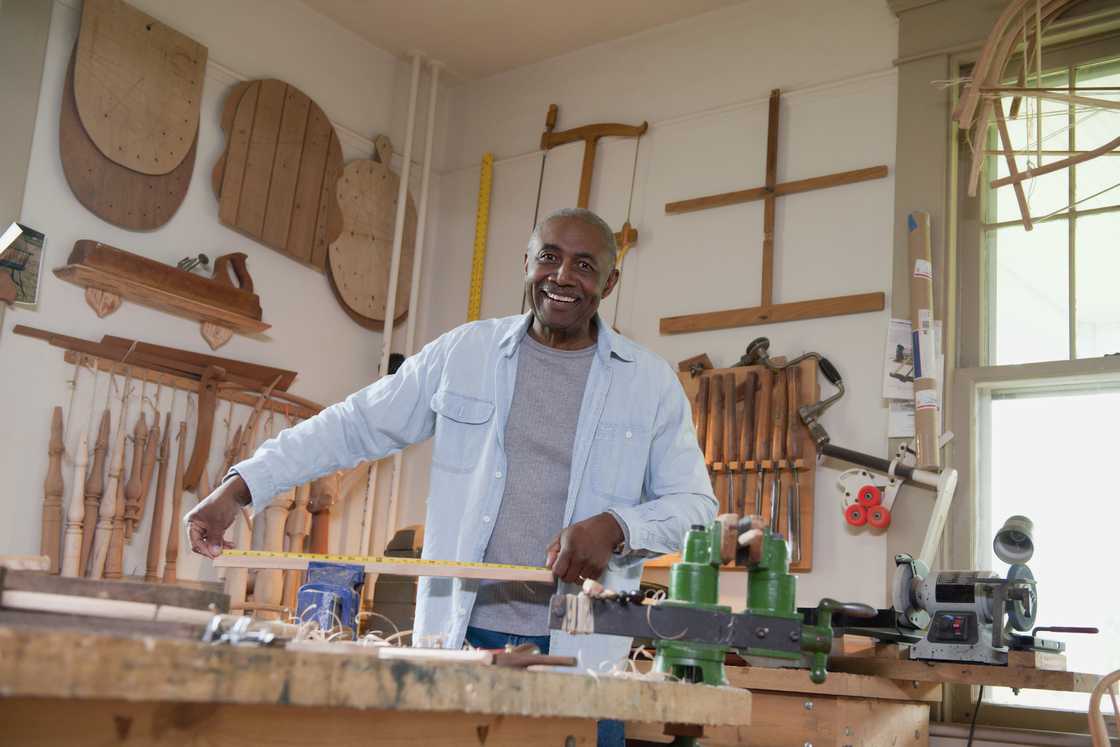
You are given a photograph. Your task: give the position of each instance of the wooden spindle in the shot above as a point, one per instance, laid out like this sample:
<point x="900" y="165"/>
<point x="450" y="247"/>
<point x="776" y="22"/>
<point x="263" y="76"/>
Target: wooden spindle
<point x="135" y="478"/>
<point x="51" y="533"/>
<point x="75" y="512"/>
<point x="147" y="470"/>
<point x="155" y="537"/>
<point x="95" y="486"/>
<point x="171" y="559"/>
<point x="297" y="528"/>
<point x="269" y="586"/>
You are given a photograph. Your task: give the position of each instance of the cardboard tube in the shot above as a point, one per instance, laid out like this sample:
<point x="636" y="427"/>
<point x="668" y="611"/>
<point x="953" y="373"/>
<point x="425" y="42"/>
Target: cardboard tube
<point x="927" y="408"/>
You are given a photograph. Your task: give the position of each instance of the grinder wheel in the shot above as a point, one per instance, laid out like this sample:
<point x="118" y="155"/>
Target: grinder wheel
<point x="1021" y="614"/>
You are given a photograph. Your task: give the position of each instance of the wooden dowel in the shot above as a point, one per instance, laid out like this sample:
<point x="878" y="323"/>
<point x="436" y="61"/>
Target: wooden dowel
<point x="108" y="507"/>
<point x="147" y="470"/>
<point x="135" y="478"/>
<point x="785" y="188"/>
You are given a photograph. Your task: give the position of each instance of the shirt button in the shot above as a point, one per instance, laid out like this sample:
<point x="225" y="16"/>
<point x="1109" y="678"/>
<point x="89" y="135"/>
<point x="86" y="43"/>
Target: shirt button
<point x="486" y="519"/>
<point x="498" y="474"/>
<point x="629" y="434"/>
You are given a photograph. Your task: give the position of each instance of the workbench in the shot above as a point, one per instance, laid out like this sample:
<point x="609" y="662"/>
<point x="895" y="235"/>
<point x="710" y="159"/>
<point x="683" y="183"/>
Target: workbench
<point x="73" y="688"/>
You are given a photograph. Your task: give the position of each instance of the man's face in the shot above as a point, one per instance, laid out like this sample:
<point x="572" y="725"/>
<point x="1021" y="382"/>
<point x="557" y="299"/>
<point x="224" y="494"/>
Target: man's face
<point x="567" y="273"/>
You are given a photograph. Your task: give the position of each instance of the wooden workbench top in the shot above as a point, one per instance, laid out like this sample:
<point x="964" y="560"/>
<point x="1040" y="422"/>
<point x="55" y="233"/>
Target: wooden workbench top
<point x="65" y="665"/>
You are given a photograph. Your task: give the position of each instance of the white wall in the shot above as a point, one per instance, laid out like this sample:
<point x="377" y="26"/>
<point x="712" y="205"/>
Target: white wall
<point x="703" y="86"/>
<point x="353" y="82"/>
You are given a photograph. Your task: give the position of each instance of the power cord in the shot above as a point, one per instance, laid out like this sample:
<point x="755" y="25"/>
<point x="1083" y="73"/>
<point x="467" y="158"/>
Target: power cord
<point x="975" y="713"/>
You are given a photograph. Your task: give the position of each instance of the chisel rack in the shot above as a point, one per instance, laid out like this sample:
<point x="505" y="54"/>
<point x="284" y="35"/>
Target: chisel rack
<point x="749" y="439"/>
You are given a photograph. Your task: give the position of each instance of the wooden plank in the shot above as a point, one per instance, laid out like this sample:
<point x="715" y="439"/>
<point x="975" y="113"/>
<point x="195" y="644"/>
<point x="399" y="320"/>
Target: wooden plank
<point x="143" y="272"/>
<point x="308" y="196"/>
<point x="381" y="564"/>
<point x="160" y="299"/>
<point x="129" y="591"/>
<point x="188" y="385"/>
<point x="966" y="674"/>
<point x="138" y="86"/>
<point x="328" y="222"/>
<point x="59" y="666"/>
<point x="784" y="719"/>
<point x="769" y="202"/>
<point x="260" y="157"/>
<point x="783" y="312"/>
<point x="236" y="153"/>
<point x="285" y="167"/>
<point x="757" y="679"/>
<point x="44" y="721"/>
<point x="229" y="112"/>
<point x="786" y="188"/>
<point x="264" y="375"/>
<point x="114" y="193"/>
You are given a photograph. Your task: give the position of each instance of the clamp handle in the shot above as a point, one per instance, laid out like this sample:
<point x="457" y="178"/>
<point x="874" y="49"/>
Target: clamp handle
<point x="817" y="639"/>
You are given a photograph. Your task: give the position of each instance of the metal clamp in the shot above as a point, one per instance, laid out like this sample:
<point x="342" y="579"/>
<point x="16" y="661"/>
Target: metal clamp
<point x="238" y="634"/>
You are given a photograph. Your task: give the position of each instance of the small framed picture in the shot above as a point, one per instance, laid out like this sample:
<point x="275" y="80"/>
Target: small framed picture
<point x="21" y="263"/>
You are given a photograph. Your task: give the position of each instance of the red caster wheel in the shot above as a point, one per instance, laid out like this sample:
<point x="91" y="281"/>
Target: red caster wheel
<point x="856" y="515"/>
<point x="869" y="495"/>
<point x="879" y="517"/>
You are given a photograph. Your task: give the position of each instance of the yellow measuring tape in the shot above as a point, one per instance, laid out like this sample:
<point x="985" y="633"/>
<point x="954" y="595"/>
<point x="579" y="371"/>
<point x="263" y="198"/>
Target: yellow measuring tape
<point x="481" y="228"/>
<point x="363" y="559"/>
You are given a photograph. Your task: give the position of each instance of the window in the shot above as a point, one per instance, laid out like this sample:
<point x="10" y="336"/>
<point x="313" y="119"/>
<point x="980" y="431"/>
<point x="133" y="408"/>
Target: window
<point x="1035" y="468"/>
<point x="1036" y="387"/>
<point x="1052" y="292"/>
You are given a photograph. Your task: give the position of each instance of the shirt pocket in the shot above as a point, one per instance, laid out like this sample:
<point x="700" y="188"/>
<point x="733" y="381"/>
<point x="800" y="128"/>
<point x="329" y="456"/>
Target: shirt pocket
<point x="462" y="425"/>
<point x="619" y="454"/>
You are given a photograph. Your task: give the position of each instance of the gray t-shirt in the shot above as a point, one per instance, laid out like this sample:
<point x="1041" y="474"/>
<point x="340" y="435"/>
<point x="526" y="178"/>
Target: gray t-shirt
<point x="539" y="437"/>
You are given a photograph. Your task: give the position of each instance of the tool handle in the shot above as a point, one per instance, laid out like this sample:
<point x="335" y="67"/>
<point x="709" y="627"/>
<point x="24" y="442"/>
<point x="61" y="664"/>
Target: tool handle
<point x="750" y="385"/>
<point x="702" y="407"/>
<point x="731" y="430"/>
<point x="793" y="422"/>
<point x="240" y="270"/>
<point x="1064" y="629"/>
<point x="778" y="416"/>
<point x="715" y="425"/>
<point x="762" y="416"/>
<point x="829" y="371"/>
<point x="865" y="460"/>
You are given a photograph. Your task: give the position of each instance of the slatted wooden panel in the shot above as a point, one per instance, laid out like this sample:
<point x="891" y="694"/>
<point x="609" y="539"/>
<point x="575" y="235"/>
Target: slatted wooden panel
<point x="121" y="196"/>
<point x="138" y="86"/>
<point x="360" y="257"/>
<point x="275" y="179"/>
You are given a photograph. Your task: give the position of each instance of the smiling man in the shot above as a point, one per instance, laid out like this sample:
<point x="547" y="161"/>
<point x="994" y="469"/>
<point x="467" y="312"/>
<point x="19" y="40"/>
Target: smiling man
<point x="557" y="441"/>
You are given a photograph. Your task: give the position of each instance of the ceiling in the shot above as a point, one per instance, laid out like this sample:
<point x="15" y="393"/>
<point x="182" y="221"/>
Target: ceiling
<point x="478" y="38"/>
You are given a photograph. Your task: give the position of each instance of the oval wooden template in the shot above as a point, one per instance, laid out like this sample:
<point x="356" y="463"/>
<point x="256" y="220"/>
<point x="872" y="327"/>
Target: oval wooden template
<point x="117" y="195"/>
<point x="138" y="86"/>
<point x="360" y="257"/>
<point x="281" y="160"/>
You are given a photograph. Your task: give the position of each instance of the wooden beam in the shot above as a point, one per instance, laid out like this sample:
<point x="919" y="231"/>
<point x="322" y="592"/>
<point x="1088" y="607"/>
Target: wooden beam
<point x="967" y="674"/>
<point x="378" y="564"/>
<point x="786" y="188"/>
<point x="1012" y="167"/>
<point x="1065" y="163"/>
<point x="782" y="312"/>
<point x="770" y="201"/>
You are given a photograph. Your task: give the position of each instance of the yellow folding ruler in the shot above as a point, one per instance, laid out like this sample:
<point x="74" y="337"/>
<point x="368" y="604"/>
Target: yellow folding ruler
<point x="481" y="229"/>
<point x="297" y="561"/>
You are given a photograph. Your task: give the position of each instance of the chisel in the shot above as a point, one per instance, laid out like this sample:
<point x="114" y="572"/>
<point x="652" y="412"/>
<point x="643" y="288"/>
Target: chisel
<point x="750" y="385"/>
<point x="702" y="427"/>
<point x="793" y="452"/>
<point x="761" y="435"/>
<point x="730" y="438"/>
<point x="777" y="445"/>
<point x="715" y="440"/>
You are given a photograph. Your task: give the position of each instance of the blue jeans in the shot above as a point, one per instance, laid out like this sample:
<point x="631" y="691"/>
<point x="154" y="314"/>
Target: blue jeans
<point x="611" y="733"/>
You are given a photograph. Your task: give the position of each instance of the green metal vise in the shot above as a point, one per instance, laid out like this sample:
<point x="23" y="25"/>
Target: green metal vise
<point x="771" y="596"/>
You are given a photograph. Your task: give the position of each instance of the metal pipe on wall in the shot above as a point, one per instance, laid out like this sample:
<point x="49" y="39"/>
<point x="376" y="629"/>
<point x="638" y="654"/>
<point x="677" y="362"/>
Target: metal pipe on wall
<point x="368" y="522"/>
<point x="393" y="512"/>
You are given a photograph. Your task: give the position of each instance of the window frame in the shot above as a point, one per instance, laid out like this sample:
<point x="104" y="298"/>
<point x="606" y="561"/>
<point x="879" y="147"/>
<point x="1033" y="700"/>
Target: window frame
<point x="973" y="378"/>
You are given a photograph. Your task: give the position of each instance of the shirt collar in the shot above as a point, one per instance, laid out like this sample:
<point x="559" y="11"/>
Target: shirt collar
<point x="609" y="343"/>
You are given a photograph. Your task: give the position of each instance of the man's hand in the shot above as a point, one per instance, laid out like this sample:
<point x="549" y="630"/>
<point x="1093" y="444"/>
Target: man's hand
<point x="582" y="550"/>
<point x="209" y="520"/>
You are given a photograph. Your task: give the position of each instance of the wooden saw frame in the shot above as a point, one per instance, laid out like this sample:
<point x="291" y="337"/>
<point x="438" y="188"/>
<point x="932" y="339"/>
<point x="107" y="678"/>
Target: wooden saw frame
<point x="590" y="135"/>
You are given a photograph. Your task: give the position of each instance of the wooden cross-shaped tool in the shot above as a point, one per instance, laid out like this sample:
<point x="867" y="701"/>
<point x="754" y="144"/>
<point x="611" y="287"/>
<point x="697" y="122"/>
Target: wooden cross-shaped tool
<point x="590" y="135"/>
<point x="768" y="311"/>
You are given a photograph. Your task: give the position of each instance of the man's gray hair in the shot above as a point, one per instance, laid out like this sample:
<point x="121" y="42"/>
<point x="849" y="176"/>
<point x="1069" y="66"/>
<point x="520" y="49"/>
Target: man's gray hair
<point x="588" y="217"/>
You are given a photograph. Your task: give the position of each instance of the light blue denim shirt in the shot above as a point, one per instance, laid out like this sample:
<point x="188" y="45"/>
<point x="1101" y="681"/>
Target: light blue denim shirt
<point x="635" y="455"/>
